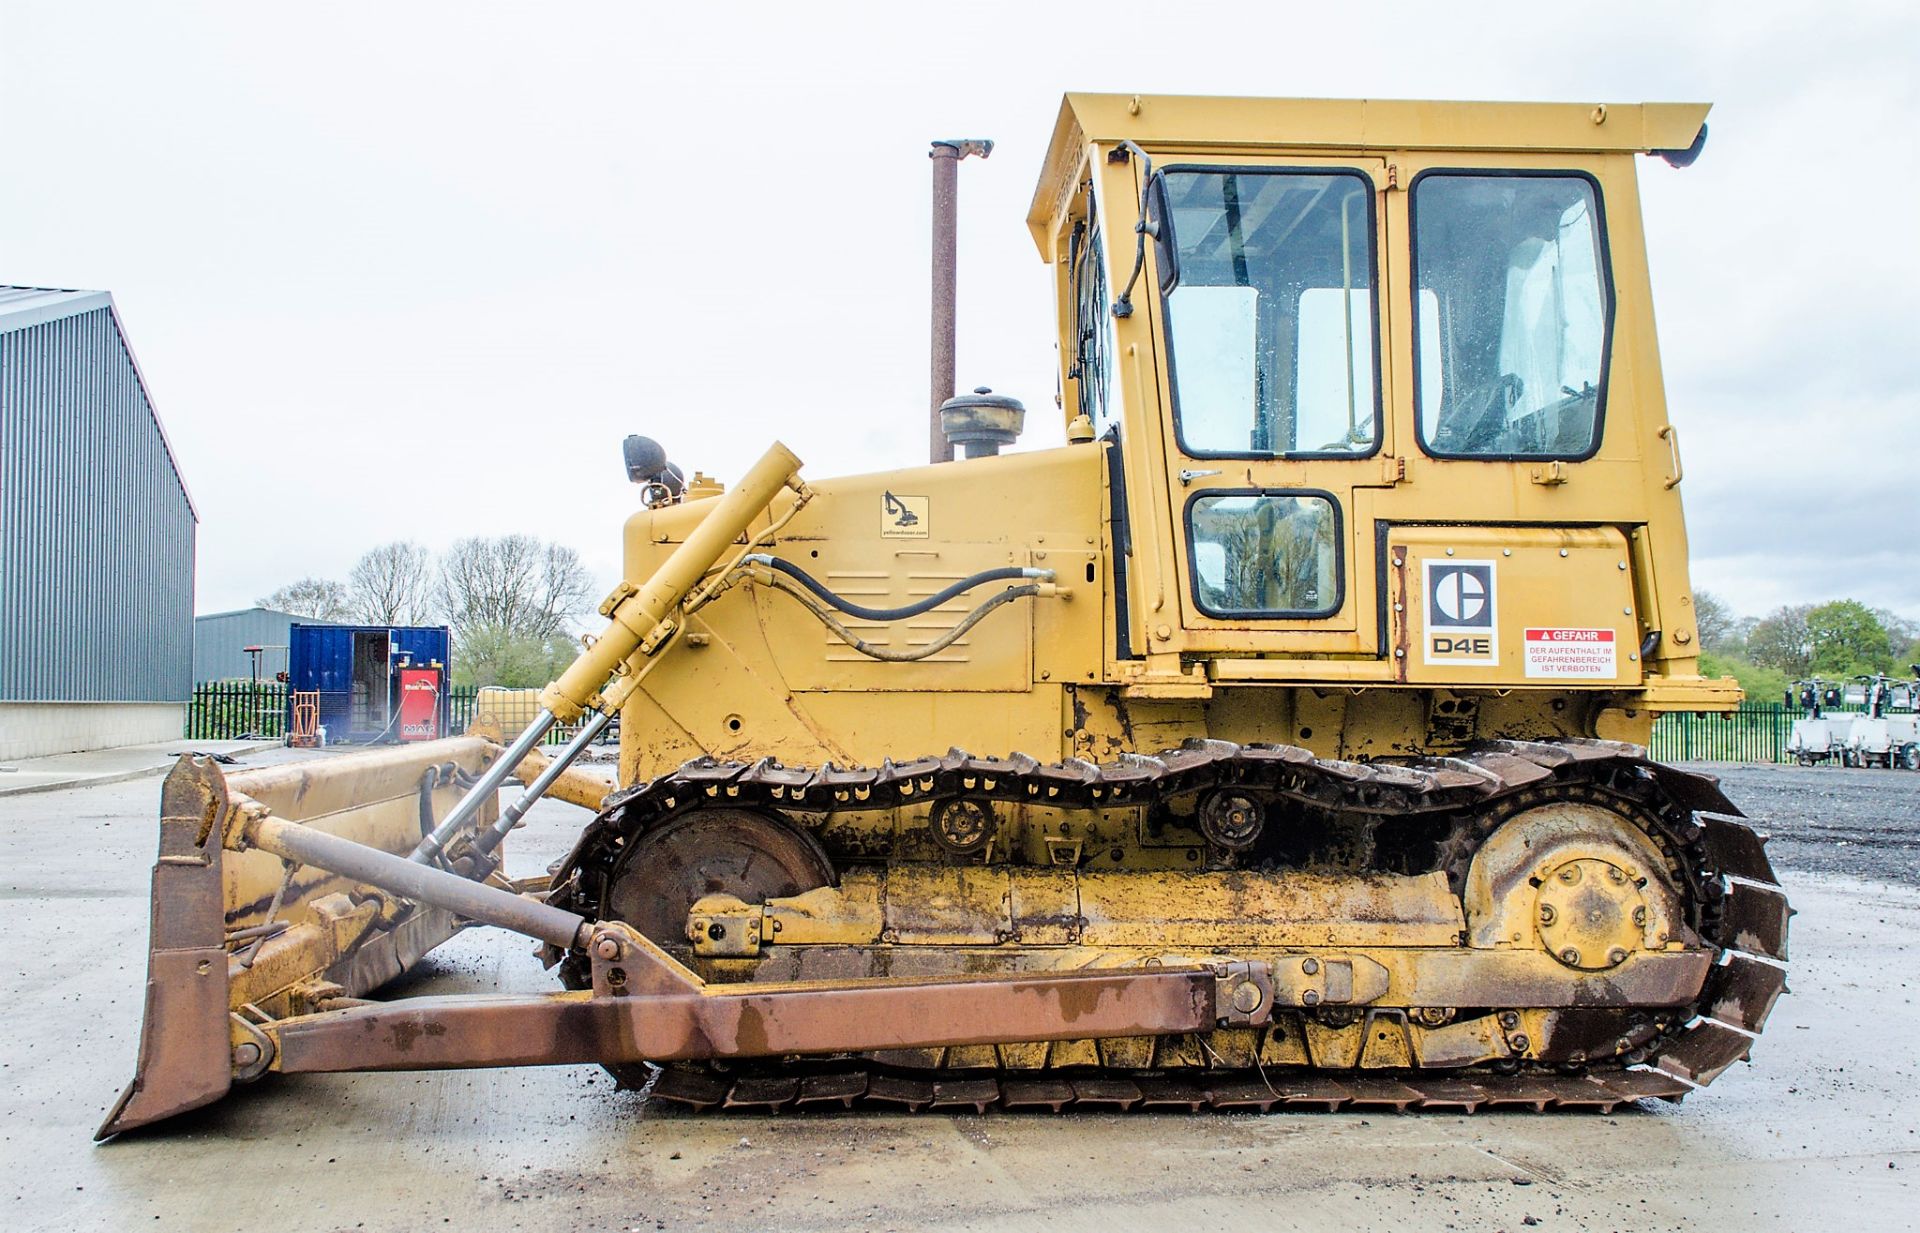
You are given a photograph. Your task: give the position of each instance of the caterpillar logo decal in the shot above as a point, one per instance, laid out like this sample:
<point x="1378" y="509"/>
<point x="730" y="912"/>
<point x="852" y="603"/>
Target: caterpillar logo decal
<point x="1462" y="622"/>
<point x="903" y="517"/>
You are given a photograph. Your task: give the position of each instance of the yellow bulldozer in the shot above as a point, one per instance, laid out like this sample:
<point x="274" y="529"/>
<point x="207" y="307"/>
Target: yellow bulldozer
<point x="1279" y="740"/>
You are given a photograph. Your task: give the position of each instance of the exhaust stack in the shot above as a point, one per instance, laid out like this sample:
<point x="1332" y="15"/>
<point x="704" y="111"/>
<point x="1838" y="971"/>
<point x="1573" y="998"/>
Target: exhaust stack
<point x="946" y="156"/>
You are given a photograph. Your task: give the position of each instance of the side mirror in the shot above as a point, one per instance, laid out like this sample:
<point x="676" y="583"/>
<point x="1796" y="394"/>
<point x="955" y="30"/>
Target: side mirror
<point x="1160" y="227"/>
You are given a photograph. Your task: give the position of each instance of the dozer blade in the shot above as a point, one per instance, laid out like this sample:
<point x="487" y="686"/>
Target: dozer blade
<point x="240" y="936"/>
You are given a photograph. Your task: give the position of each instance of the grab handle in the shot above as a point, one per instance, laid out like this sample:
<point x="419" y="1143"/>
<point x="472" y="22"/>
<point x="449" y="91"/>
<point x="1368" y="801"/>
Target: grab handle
<point x="1671" y="436"/>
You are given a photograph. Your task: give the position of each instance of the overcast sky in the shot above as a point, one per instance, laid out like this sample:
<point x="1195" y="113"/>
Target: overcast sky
<point x="413" y="271"/>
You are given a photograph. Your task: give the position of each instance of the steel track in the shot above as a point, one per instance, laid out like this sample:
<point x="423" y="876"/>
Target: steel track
<point x="1718" y="860"/>
<point x="1259" y="1091"/>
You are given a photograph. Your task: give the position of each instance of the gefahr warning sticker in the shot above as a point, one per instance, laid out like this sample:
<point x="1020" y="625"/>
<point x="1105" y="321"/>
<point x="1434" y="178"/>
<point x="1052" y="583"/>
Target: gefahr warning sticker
<point x="1564" y="653"/>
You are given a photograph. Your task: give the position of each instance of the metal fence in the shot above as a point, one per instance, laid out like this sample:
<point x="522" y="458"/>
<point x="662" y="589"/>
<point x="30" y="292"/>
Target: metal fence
<point x="1757" y="732"/>
<point x="248" y="710"/>
<point x="237" y="710"/>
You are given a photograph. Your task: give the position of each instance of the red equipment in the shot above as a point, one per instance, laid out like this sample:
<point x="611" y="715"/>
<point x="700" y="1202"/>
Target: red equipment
<point x="419" y="704"/>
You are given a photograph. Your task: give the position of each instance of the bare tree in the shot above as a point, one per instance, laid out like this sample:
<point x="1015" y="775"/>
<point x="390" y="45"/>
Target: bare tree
<point x="393" y="585"/>
<point x="1784" y="640"/>
<point x="320" y="599"/>
<point x="1722" y="630"/>
<point x="512" y="584"/>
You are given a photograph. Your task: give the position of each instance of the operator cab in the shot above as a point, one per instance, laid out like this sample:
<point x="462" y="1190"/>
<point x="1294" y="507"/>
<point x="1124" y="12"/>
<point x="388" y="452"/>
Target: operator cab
<point x="1309" y="334"/>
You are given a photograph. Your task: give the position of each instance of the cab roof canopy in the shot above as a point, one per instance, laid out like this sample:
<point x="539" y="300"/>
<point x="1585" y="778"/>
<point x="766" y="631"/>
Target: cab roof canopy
<point x="1190" y="122"/>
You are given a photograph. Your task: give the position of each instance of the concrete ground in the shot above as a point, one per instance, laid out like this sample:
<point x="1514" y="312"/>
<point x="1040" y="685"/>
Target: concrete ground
<point x="1820" y="1131"/>
<point x="102" y="766"/>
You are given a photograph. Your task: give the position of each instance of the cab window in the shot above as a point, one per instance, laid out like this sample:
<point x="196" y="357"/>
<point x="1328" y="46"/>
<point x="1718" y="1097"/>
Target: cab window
<point x="1269" y="303"/>
<point x="1264" y="554"/>
<point x="1512" y="308"/>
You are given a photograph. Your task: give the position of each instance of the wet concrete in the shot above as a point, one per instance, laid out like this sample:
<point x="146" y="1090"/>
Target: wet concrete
<point x="1864" y="823"/>
<point x="102" y="766"/>
<point x="1820" y="1130"/>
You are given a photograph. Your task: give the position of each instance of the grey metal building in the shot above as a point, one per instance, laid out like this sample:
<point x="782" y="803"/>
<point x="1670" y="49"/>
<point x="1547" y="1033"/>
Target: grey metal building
<point x="220" y="640"/>
<point x="96" y="536"/>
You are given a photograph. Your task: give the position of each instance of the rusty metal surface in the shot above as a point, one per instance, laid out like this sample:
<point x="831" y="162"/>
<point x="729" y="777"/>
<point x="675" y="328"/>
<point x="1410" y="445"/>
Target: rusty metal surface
<point x="1449" y="976"/>
<point x="1741" y="992"/>
<point x="1250" y="1090"/>
<point x="1755" y="919"/>
<point x="1685" y="823"/>
<point x="183" y="1038"/>
<point x="1733" y="845"/>
<point x="213" y="948"/>
<point x="667" y="1017"/>
<point x="562" y="1028"/>
<point x="1705" y="1052"/>
<point x="945" y="157"/>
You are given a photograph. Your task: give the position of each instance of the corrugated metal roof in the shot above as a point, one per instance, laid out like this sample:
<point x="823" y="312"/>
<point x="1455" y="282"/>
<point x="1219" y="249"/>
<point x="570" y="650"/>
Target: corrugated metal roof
<point x="219" y="639"/>
<point x="24" y="307"/>
<point x="214" y="616"/>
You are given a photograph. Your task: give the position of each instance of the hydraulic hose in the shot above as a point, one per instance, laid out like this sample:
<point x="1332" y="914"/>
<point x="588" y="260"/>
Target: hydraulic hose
<point x="1007" y="573"/>
<point x="932" y="648"/>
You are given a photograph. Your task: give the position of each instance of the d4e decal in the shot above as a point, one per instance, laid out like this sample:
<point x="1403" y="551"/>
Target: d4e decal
<point x="1462" y="613"/>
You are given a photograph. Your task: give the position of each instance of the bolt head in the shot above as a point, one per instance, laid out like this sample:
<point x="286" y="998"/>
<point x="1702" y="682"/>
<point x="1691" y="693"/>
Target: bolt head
<point x="1640" y="916"/>
<point x="1246" y="997"/>
<point x="607" y="948"/>
<point x="1616" y="956"/>
<point x="246" y="1053"/>
<point x="1570" y="874"/>
<point x="1570" y="955"/>
<point x="1547" y="914"/>
<point x="1310" y="966"/>
<point x="1311" y="997"/>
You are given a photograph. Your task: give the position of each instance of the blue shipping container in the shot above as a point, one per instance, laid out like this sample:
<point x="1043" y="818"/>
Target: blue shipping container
<point x="356" y="671"/>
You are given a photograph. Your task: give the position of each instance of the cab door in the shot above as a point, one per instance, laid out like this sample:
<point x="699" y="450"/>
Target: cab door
<point x="1274" y="399"/>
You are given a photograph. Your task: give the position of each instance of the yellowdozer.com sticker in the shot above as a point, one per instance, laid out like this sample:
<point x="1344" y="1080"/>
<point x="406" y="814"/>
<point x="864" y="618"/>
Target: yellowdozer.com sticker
<point x="904" y="517"/>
